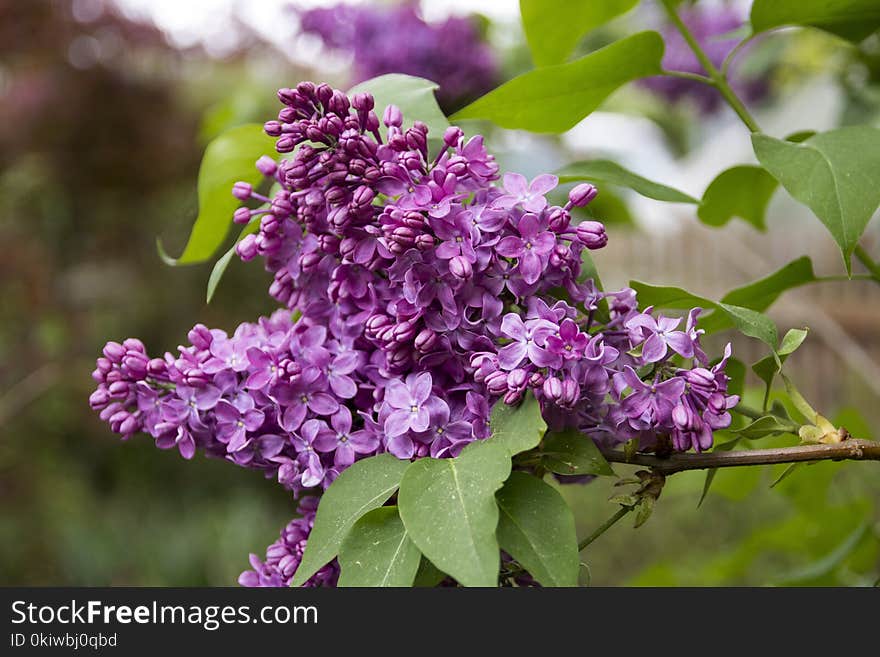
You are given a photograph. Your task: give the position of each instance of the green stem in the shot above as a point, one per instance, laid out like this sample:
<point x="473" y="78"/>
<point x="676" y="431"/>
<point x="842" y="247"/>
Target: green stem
<point x="608" y="524"/>
<point x="870" y="264"/>
<point x="844" y="277"/>
<point x="694" y="77"/>
<point x="717" y="77"/>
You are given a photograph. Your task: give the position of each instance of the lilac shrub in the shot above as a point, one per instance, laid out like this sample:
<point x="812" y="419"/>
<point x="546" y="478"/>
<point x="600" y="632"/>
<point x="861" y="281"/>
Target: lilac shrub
<point x="418" y="291"/>
<point x="451" y="53"/>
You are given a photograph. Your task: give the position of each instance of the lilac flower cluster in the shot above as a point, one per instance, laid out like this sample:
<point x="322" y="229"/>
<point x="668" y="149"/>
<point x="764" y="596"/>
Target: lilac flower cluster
<point x="424" y="292"/>
<point x="451" y="53"/>
<point x="709" y="25"/>
<point x="284" y="555"/>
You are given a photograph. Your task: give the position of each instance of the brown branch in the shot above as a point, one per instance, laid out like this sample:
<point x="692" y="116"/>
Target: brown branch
<point x="853" y="449"/>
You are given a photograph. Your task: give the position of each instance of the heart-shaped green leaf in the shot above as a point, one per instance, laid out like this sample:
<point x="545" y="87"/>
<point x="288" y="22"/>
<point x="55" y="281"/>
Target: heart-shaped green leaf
<point x="518" y="428"/>
<point x="741" y="191"/>
<point x="573" y="453"/>
<point x="833" y="173"/>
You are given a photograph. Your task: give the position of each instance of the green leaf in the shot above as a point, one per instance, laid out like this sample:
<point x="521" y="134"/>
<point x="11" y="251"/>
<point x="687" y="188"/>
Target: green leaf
<point x="229" y="158"/>
<point x="785" y="474"/>
<point x="741" y="191"/>
<point x="414" y="96"/>
<point x="665" y="296"/>
<point x="768" y="425"/>
<point x="364" y="486"/>
<point x="553" y="27"/>
<point x="536" y="527"/>
<point x="573" y="453"/>
<point x="767" y="367"/>
<point x="761" y="294"/>
<point x="428" y="575"/>
<point x="834" y="174"/>
<point x="851" y="19"/>
<point x="555" y="98"/>
<point x="377" y="552"/>
<point x="449" y="511"/>
<point x="752" y="323"/>
<point x="710" y="474"/>
<point x="736" y="373"/>
<point x="518" y="428"/>
<point x="606" y="171"/>
<point x="222" y="263"/>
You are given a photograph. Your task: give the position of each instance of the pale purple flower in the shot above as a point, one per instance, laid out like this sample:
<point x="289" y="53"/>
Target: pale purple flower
<point x="531" y="248"/>
<point x="521" y="192"/>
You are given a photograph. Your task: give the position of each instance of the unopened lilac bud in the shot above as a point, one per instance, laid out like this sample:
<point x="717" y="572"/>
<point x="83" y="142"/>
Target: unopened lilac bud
<point x="392" y="116"/>
<point x="114" y="352"/>
<point x="513" y="397"/>
<point x="570" y="392"/>
<point x="425" y="340"/>
<point x="496" y="383"/>
<point x="582" y="194"/>
<point x="362" y="102"/>
<point x="242" y="190"/>
<point x="536" y="380"/>
<point x="136" y="364"/>
<point x="553" y="389"/>
<point x="328" y="243"/>
<point x="241" y="216"/>
<point x="99" y="399"/>
<point x="452" y="135"/>
<point x="134" y="344"/>
<point x="118" y="389"/>
<point x="157" y="367"/>
<point x="517" y="379"/>
<point x="592" y="234"/>
<point x="424" y="242"/>
<point x="559" y="219"/>
<point x="376" y="322"/>
<point x="362" y="196"/>
<point x="309" y="261"/>
<point x="267" y="166"/>
<point x="285" y="144"/>
<point x="272" y="128"/>
<point x="247" y="248"/>
<point x="404" y="331"/>
<point x="461" y="268"/>
<point x="129" y="425"/>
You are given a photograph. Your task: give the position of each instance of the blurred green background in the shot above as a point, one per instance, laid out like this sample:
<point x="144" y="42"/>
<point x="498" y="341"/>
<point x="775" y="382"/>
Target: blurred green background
<point x="102" y="125"/>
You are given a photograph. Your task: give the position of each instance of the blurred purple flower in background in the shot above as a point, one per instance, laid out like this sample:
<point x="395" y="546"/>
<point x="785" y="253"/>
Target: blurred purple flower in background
<point x="395" y="39"/>
<point x="712" y="27"/>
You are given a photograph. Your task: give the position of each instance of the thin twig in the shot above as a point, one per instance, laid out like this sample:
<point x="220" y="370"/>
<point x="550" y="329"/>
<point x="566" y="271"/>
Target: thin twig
<point x="719" y="80"/>
<point x="854" y="450"/>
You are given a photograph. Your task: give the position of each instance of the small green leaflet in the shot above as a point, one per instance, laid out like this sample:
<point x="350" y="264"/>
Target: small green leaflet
<point x="377" y="552"/>
<point x="229" y="158"/>
<point x="364" y="486"/>
<point x="536" y="528"/>
<point x="555" y="98"/>
<point x="607" y="171"/>
<point x="518" y="428"/>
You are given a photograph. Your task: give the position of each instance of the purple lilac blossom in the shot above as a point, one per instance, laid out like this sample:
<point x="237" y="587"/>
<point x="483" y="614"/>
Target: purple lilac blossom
<point x="452" y="52"/>
<point x="708" y="25"/>
<point x="394" y="348"/>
